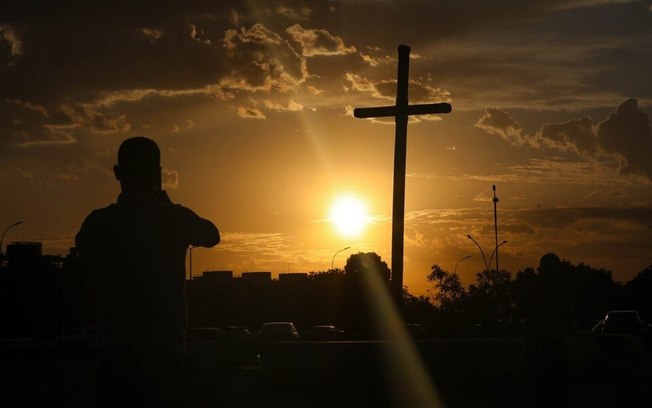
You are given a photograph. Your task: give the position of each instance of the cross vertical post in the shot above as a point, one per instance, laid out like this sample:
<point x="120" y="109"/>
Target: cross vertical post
<point x="400" y="111"/>
<point x="400" y="153"/>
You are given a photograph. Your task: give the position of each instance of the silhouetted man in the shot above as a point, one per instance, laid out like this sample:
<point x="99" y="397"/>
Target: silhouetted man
<point x="134" y="251"/>
<point x="545" y="314"/>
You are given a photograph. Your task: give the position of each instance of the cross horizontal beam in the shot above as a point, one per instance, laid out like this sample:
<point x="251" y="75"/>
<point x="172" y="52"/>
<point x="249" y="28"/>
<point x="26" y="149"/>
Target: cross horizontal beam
<point x="385" y="111"/>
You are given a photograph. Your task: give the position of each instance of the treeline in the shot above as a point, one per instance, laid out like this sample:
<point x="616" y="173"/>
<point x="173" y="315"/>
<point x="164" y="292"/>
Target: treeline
<point x="487" y="305"/>
<point x="357" y="299"/>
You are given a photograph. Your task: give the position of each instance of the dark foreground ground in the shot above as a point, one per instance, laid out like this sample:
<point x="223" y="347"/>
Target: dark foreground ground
<point x="604" y="371"/>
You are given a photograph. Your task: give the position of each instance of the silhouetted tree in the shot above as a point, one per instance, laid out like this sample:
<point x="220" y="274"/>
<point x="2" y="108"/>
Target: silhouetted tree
<point x="448" y="285"/>
<point x="417" y="309"/>
<point x="523" y="280"/>
<point x="366" y="287"/>
<point x="366" y="263"/>
<point x="593" y="290"/>
<point x="638" y="293"/>
<point x="490" y="299"/>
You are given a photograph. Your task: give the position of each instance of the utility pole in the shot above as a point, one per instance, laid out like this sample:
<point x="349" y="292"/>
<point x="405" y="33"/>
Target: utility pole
<point x="495" y="200"/>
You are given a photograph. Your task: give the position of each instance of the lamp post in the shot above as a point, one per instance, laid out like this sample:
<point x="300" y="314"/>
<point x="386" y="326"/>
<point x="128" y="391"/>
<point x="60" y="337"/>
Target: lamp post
<point x="484" y="258"/>
<point x="458" y="262"/>
<point x="495" y="200"/>
<point x="5" y="231"/>
<point x="496" y="252"/>
<point x="333" y="261"/>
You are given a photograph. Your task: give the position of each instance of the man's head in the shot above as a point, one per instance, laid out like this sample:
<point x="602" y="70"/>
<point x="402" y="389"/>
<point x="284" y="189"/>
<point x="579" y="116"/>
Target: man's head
<point x="138" y="167"/>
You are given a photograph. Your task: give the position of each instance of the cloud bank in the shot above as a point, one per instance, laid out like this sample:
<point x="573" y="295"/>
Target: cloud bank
<point x="624" y="139"/>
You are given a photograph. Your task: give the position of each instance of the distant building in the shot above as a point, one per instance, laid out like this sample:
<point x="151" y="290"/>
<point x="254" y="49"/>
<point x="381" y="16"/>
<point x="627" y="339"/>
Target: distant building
<point x="24" y="254"/>
<point x="257" y="278"/>
<point x="33" y="302"/>
<point x="293" y="278"/>
<point x="217" y="278"/>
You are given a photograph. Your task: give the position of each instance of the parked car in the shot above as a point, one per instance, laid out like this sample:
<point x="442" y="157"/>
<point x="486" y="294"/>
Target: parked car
<point x="587" y="326"/>
<point x="238" y="333"/>
<point x="240" y="345"/>
<point x="622" y="321"/>
<point x="416" y="331"/>
<point x="325" y="332"/>
<point x="206" y="334"/>
<point x="278" y="331"/>
<point x="206" y="351"/>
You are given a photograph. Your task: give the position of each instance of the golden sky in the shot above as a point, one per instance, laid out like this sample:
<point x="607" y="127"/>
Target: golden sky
<point x="251" y="104"/>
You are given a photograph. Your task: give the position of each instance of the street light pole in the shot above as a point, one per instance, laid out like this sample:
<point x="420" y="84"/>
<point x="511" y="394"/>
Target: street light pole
<point x="458" y="262"/>
<point x="495" y="200"/>
<point x="333" y="260"/>
<point x="484" y="258"/>
<point x="5" y="231"/>
<point x="496" y="252"/>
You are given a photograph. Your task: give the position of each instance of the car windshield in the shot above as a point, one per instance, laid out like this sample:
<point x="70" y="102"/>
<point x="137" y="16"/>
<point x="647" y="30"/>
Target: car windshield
<point x="277" y="327"/>
<point x="622" y="318"/>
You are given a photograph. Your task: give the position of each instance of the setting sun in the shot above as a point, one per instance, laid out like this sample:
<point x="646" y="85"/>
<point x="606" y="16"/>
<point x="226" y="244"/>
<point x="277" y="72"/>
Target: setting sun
<point x="349" y="215"/>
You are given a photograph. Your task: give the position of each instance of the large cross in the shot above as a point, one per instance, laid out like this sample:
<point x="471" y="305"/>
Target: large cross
<point x="400" y="111"/>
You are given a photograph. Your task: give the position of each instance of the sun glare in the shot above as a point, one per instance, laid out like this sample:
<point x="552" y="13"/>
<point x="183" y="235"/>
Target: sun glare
<point x="349" y="216"/>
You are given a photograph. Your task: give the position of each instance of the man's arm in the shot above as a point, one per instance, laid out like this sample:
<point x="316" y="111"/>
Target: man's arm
<point x="204" y="233"/>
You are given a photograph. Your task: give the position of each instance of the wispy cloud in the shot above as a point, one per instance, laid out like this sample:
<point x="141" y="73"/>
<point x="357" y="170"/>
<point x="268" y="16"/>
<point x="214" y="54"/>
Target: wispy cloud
<point x="386" y="89"/>
<point x="9" y="37"/>
<point x="291" y="106"/>
<point x="249" y="112"/>
<point x="315" y="42"/>
<point x="300" y="13"/>
<point x="255" y="242"/>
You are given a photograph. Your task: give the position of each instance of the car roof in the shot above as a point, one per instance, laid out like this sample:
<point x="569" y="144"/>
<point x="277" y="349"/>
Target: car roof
<point x="217" y="329"/>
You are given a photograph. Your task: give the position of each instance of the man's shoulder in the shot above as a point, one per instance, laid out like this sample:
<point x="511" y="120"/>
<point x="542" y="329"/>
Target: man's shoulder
<point x="93" y="223"/>
<point x="103" y="212"/>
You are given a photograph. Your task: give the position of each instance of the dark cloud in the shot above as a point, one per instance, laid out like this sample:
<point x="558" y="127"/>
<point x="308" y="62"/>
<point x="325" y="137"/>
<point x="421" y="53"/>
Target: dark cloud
<point x="567" y="217"/>
<point x="627" y="132"/>
<point x="575" y="135"/>
<point x="498" y="122"/>
<point x="78" y="46"/>
<point x="423" y="21"/>
<point x="625" y="136"/>
<point x="603" y="236"/>
<point x="261" y="61"/>
<point x="63" y="61"/>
